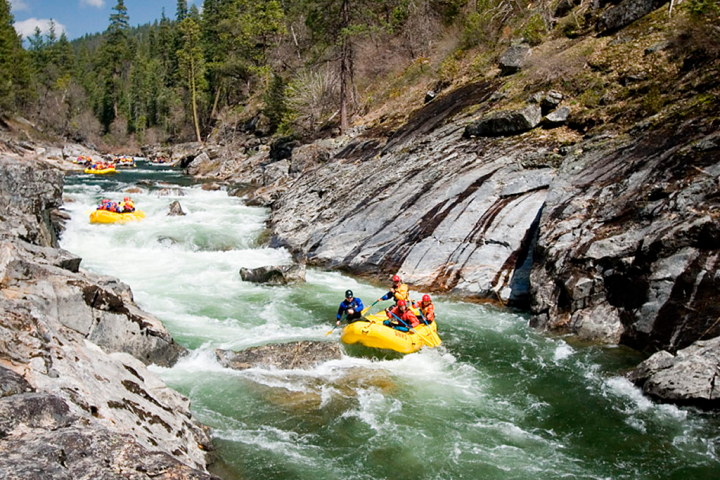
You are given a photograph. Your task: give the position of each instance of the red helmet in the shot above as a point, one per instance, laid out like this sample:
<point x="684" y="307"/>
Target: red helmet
<point x="396" y="278"/>
<point x="426" y="298"/>
<point x="126" y="199"/>
<point x="402" y="303"/>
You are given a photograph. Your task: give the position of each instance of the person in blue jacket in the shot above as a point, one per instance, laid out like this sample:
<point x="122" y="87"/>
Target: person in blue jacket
<point x="353" y="306"/>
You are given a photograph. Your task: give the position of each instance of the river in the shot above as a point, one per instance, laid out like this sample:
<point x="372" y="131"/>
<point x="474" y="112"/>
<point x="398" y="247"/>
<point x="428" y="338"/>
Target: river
<point x="497" y="401"/>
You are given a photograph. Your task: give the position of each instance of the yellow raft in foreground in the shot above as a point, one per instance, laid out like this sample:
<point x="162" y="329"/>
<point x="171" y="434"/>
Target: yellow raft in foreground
<point x="373" y="333"/>
<point x="103" y="216"/>
<point x="104" y="171"/>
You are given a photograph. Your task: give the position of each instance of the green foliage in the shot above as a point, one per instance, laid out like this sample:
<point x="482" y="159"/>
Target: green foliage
<point x="534" y="31"/>
<point x="275" y="102"/>
<point x="14" y="66"/>
<point x="704" y="8"/>
<point x="449" y="10"/>
<point x="652" y="101"/>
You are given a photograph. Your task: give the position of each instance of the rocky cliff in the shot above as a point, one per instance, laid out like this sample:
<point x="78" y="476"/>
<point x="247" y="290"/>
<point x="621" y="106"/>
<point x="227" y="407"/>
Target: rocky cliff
<point x="76" y="398"/>
<point x="599" y="214"/>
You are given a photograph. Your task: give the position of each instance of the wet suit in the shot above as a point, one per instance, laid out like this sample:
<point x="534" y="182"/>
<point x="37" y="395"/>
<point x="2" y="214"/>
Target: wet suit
<point x="355" y="304"/>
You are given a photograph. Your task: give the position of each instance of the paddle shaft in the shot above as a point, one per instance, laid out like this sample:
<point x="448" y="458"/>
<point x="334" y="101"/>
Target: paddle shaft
<point x="426" y="323"/>
<point x="333" y="329"/>
<point x="411" y="328"/>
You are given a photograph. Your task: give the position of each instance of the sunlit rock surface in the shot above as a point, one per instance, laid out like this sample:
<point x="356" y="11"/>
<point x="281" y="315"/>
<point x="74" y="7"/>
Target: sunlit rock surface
<point x="77" y="398"/>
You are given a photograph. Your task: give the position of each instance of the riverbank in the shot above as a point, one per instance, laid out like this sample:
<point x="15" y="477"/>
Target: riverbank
<point x="77" y="397"/>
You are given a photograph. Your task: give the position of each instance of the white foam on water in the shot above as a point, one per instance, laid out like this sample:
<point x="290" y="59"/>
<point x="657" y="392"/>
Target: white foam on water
<point x="562" y="352"/>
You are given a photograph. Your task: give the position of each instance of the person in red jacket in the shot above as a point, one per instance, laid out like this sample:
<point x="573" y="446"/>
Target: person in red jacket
<point x="427" y="308"/>
<point x="400" y="317"/>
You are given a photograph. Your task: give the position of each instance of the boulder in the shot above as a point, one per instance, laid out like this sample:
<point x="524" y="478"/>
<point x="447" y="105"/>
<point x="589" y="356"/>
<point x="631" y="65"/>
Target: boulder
<point x="282" y="148"/>
<point x="277" y="275"/>
<point x="687" y="378"/>
<point x="514" y="59"/>
<point x="564" y="7"/>
<point x="557" y="118"/>
<point x="622" y="15"/>
<point x="551" y="101"/>
<point x="511" y="122"/>
<point x="175" y="209"/>
<point x="302" y="355"/>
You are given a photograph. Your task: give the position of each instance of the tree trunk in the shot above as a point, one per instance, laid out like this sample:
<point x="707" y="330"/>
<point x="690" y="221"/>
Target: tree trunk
<point x="194" y="101"/>
<point x="213" y="114"/>
<point x="344" y="70"/>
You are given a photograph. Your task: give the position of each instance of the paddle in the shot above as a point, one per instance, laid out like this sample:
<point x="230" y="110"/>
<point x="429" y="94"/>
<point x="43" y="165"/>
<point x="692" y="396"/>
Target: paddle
<point x="365" y="310"/>
<point x="432" y="333"/>
<point x="411" y="328"/>
<point x="333" y="329"/>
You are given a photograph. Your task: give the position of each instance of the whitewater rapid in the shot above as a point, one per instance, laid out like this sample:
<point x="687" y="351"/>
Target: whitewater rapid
<point x="498" y="400"/>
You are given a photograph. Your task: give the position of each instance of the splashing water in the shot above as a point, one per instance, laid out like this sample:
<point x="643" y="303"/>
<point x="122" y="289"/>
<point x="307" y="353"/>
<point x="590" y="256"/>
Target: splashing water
<point x="497" y="401"/>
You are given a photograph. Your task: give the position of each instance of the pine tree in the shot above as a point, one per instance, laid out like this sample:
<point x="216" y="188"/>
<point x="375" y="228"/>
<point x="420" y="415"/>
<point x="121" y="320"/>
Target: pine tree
<point x="14" y="71"/>
<point x="114" y="54"/>
<point x="182" y="10"/>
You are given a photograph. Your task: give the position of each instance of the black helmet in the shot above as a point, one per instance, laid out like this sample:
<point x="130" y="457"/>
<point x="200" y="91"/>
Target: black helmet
<point x="349" y="294"/>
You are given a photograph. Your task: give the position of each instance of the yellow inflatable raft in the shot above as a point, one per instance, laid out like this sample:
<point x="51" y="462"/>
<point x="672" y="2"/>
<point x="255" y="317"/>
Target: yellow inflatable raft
<point x="372" y="333"/>
<point x="100" y="172"/>
<point x="103" y="216"/>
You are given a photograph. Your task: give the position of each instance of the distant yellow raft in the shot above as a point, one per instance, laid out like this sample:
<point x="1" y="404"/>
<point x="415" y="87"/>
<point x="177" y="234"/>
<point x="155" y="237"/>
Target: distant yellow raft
<point x="104" y="171"/>
<point x="103" y="216"/>
<point x="376" y="335"/>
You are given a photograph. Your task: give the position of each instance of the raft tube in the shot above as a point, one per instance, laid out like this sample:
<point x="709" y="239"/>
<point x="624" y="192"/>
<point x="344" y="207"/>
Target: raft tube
<point x="100" y="172"/>
<point x="372" y="333"/>
<point x="103" y="216"/>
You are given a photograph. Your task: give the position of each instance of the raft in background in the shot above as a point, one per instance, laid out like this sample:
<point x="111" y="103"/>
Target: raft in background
<point x="104" y="171"/>
<point x="372" y="333"/>
<point x="104" y="216"/>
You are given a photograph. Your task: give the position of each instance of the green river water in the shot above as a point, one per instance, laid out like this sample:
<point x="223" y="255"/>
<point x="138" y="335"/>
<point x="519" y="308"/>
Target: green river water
<point x="497" y="401"/>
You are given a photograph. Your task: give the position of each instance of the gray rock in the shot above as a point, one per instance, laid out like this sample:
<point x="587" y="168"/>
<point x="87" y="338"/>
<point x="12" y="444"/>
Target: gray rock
<point x="557" y="118"/>
<point x="656" y="47"/>
<point x="622" y="15"/>
<point x="688" y="378"/>
<point x="277" y="275"/>
<point x="514" y="59"/>
<point x="551" y="101"/>
<point x="12" y="384"/>
<point x="33" y="410"/>
<point x="276" y="172"/>
<point x="301" y="355"/>
<point x="511" y="122"/>
<point x="640" y="256"/>
<point x="73" y="335"/>
<point x="175" y="209"/>
<point x="564" y="7"/>
<point x="88" y="452"/>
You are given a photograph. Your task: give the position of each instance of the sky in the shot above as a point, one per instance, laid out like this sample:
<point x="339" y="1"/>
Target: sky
<point x="78" y="17"/>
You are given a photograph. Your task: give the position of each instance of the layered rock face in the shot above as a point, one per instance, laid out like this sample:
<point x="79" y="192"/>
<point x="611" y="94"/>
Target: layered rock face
<point x="630" y="240"/>
<point x="444" y="212"/>
<point x="77" y="398"/>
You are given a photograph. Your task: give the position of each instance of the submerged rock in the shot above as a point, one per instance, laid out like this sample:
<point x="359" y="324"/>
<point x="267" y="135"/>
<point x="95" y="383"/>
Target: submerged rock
<point x="175" y="209"/>
<point x="276" y="275"/>
<point x="302" y="355"/>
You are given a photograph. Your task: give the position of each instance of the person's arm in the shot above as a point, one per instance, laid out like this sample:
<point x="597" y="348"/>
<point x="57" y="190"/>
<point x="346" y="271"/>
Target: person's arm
<point x="340" y="310"/>
<point x="360" y="306"/>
